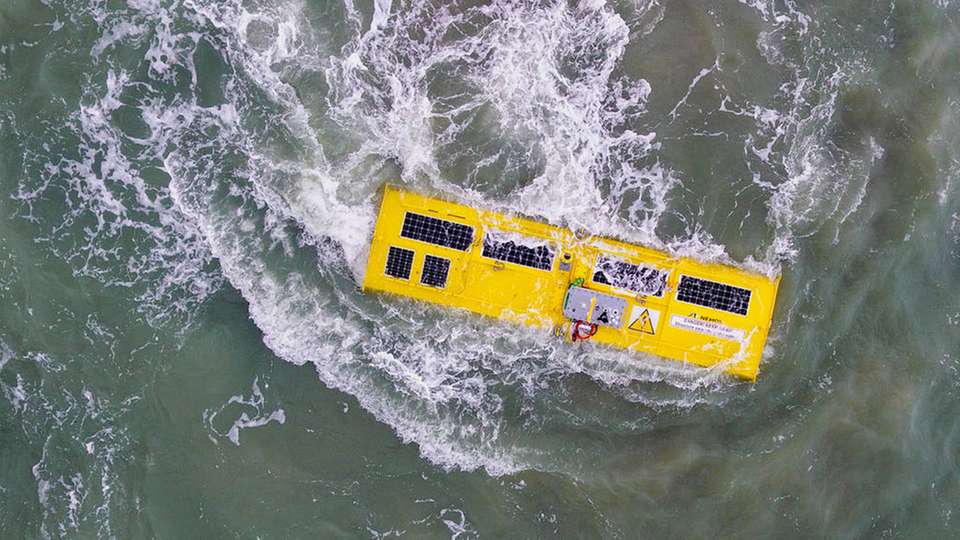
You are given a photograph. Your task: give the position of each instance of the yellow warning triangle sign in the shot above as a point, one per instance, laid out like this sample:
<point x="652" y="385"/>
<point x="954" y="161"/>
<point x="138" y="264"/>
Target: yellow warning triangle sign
<point x="643" y="323"/>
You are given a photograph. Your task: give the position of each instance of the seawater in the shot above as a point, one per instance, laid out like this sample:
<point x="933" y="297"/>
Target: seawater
<point x="188" y="187"/>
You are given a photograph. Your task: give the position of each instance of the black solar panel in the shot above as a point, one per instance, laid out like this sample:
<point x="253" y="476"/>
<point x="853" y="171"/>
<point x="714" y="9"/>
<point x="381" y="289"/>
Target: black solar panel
<point x="713" y="295"/>
<point x="435" y="271"/>
<point x="437" y="231"/>
<point x="399" y="263"/>
<point x="540" y="257"/>
<point x="639" y="279"/>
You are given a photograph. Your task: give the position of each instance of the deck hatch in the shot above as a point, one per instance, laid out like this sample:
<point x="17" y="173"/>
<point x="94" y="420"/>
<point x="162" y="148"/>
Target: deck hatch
<point x="713" y="295"/>
<point x="436" y="231"/>
<point x="583" y="304"/>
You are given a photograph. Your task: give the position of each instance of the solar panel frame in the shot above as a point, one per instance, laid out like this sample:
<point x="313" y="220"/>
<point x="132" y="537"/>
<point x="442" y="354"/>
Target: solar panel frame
<point x="399" y="262"/>
<point x="540" y="257"/>
<point x="435" y="271"/>
<point x="436" y="231"/>
<point x="629" y="276"/>
<point x="714" y="295"/>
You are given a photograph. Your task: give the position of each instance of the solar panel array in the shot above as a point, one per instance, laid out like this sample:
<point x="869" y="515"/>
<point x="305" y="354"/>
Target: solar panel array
<point x="713" y="295"/>
<point x="540" y="257"/>
<point x="399" y="263"/>
<point x="639" y="279"/>
<point x="435" y="231"/>
<point x="435" y="271"/>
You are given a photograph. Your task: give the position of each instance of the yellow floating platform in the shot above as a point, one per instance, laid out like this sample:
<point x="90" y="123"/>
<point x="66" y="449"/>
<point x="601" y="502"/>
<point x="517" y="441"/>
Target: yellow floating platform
<point x="585" y="288"/>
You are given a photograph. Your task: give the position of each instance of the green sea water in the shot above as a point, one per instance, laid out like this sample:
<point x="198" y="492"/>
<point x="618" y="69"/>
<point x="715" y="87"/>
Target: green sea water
<point x="187" y="190"/>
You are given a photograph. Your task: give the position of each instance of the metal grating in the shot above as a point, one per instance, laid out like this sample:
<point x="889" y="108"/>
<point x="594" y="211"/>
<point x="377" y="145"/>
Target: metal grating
<point x="639" y="279"/>
<point x="540" y="257"/>
<point x="435" y="271"/>
<point x="437" y="231"/>
<point x="713" y="295"/>
<point x="399" y="263"/>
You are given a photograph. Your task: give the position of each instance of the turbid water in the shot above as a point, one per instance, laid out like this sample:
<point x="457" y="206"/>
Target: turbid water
<point x="187" y="188"/>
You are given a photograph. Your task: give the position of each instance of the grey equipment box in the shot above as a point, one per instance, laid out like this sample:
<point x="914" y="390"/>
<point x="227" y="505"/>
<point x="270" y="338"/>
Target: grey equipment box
<point x="608" y="311"/>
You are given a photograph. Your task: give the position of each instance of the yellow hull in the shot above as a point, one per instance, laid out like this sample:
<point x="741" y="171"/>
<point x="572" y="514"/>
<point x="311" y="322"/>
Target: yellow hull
<point x="524" y="271"/>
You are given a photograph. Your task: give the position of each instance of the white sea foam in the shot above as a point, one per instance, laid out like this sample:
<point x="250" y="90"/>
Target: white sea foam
<point x="71" y="492"/>
<point x="245" y="420"/>
<point x="108" y="200"/>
